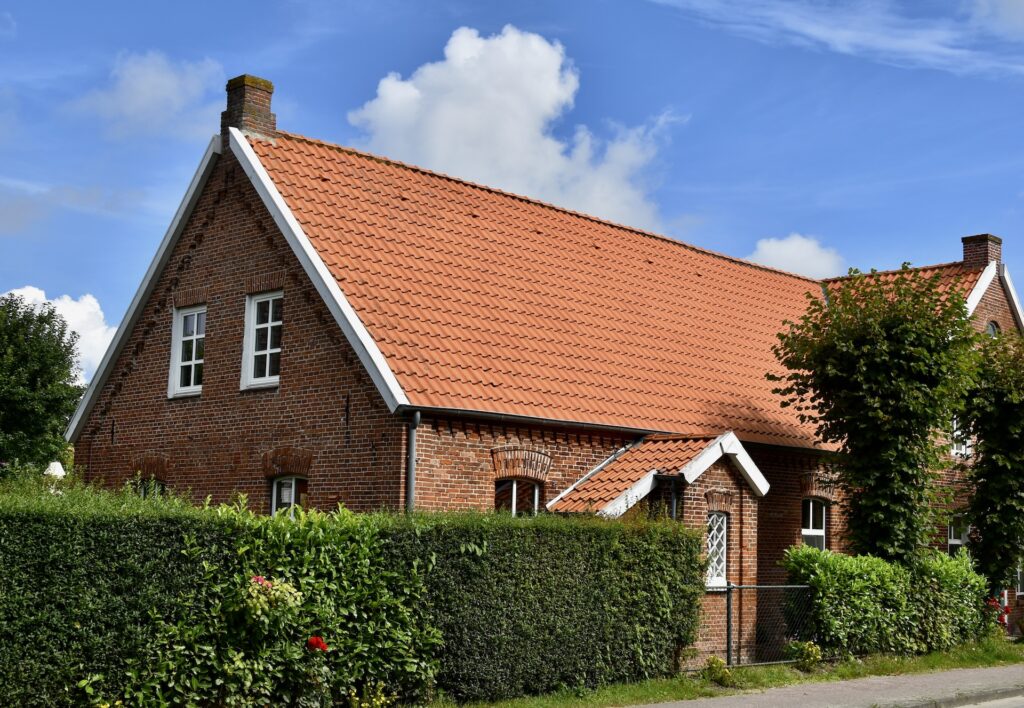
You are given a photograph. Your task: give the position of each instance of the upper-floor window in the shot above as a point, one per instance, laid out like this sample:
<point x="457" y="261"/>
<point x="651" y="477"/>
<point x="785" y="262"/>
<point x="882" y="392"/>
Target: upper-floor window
<point x="992" y="328"/>
<point x="519" y="496"/>
<point x="264" y="319"/>
<point x="188" y="350"/>
<point x="288" y="493"/>
<point x="956" y="535"/>
<point x="812" y="524"/>
<point x="960" y="445"/>
<point x="718" y="545"/>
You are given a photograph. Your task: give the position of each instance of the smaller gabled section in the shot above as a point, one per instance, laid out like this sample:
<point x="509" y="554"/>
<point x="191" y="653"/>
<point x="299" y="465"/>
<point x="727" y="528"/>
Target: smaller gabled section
<point x="625" y="478"/>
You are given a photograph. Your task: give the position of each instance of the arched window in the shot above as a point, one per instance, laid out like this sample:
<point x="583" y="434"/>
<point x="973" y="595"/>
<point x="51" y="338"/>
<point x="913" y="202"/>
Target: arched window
<point x="519" y="496"/>
<point x="992" y="328"/>
<point x="718" y="545"/>
<point x="288" y="493"/>
<point x="150" y="487"/>
<point x="812" y="523"/>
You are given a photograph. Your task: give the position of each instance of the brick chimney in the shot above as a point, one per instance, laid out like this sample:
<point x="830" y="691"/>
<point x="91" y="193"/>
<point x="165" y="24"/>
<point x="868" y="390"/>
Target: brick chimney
<point x="249" y="108"/>
<point x="979" y="250"/>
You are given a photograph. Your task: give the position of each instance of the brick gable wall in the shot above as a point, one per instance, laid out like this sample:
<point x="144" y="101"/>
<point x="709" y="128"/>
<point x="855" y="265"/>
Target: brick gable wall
<point x="214" y="444"/>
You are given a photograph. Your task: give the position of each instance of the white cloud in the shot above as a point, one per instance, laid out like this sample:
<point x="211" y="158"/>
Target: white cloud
<point x="874" y="29"/>
<point x="797" y="253"/>
<point x="486" y="113"/>
<point x="1002" y="17"/>
<point x="84" y="316"/>
<point x="151" y="95"/>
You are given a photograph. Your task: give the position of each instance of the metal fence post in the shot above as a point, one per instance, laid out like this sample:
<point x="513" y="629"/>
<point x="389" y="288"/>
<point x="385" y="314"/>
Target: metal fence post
<point x="728" y="624"/>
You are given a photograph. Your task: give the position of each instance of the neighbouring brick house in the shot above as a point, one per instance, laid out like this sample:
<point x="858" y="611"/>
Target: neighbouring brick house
<point x="321" y="325"/>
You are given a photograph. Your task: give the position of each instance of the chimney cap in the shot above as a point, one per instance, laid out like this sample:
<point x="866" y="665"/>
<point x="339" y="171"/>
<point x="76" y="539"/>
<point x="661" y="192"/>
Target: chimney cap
<point x="250" y="80"/>
<point x="979" y="238"/>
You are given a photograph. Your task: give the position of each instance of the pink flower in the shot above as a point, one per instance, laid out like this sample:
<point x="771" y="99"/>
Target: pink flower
<point x="262" y="582"/>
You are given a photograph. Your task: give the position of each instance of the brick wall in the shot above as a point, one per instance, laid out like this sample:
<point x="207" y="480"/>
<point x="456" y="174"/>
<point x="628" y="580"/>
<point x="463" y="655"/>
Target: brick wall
<point x="214" y="443"/>
<point x="454" y="468"/>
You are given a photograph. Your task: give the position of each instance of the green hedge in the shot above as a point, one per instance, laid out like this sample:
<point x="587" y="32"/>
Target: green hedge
<point x="863" y="605"/>
<point x="106" y="595"/>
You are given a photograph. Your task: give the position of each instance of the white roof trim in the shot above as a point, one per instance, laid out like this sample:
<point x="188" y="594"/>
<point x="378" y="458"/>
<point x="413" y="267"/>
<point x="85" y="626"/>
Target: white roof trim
<point x="614" y="456"/>
<point x="727" y="445"/>
<point x="145" y="289"/>
<point x="987" y="276"/>
<point x="1011" y="293"/>
<point x="355" y="332"/>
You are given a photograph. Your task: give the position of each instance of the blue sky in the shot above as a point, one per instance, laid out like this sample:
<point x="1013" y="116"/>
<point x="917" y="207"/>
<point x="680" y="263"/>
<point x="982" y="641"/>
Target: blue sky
<point x="809" y="135"/>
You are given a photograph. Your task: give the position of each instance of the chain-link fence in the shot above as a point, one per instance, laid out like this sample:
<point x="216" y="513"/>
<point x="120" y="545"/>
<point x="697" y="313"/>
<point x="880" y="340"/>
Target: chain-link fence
<point x="753" y="624"/>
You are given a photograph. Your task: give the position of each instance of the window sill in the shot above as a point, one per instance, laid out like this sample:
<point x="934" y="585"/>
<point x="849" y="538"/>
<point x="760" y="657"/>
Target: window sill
<point x="185" y="394"/>
<point x="716" y="587"/>
<point x="260" y="385"/>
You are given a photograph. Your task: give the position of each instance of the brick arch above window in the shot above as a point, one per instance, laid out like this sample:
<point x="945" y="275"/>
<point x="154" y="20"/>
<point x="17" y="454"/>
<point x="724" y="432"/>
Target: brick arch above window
<point x="287" y="462"/>
<point x="719" y="500"/>
<point x="817" y="485"/>
<point x="151" y="465"/>
<point x="519" y="462"/>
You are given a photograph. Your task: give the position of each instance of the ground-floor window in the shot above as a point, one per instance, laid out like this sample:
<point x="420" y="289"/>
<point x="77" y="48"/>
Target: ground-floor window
<point x="956" y="535"/>
<point x="151" y="487"/>
<point x="288" y="493"/>
<point x="519" y="496"/>
<point x="718" y="544"/>
<point x="812" y="524"/>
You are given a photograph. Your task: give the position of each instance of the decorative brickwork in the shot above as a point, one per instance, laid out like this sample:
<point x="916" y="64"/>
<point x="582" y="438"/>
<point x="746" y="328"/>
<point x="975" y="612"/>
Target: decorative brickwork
<point x="151" y="465"/>
<point x="287" y="462"/>
<point x="520" y="462"/>
<point x="264" y="282"/>
<point x="819" y="485"/>
<point x="719" y="500"/>
<point x="187" y="297"/>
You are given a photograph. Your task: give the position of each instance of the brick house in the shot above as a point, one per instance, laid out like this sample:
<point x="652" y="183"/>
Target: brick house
<point x="380" y="335"/>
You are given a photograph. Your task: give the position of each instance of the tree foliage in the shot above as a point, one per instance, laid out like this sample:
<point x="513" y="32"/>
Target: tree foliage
<point x="879" y="366"/>
<point x="995" y="416"/>
<point x="38" y="392"/>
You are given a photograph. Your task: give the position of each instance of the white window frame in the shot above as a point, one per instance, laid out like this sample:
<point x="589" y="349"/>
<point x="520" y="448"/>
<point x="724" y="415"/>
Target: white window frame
<point x="805" y="531"/>
<point x="953" y="542"/>
<point x="1020" y="580"/>
<point x="249" y="342"/>
<point x="718" y="568"/>
<point x="174" y="389"/>
<point x="960" y="444"/>
<point x="294" y="501"/>
<point x="515" y="493"/>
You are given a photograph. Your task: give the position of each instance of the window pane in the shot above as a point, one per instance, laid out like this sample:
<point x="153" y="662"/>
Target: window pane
<point x="186" y="376"/>
<point x="200" y="348"/>
<point x="805" y="516"/>
<point x="275" y="337"/>
<point x="259" y="366"/>
<point x="503" y="495"/>
<point x="301" y="492"/>
<point x="717" y="543"/>
<point x="197" y="377"/>
<point x="819" y="515"/>
<point x="201" y="323"/>
<point x="278" y="309"/>
<point x="262" y="311"/>
<point x="189" y="325"/>
<point x="814" y="541"/>
<point x="186" y="350"/>
<point x="261" y="339"/>
<point x="274" y="367"/>
<point x="284" y="494"/>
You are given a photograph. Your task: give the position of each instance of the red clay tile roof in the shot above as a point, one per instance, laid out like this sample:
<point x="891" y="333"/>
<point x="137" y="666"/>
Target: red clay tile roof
<point x="484" y="301"/>
<point x="665" y="453"/>
<point x="951" y="275"/>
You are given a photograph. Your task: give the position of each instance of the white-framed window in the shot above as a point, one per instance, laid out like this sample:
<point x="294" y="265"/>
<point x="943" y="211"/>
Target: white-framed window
<point x="519" y="496"/>
<point x="264" y="320"/>
<point x="960" y="444"/>
<point x="718" y="544"/>
<point x="188" y="351"/>
<point x="957" y="532"/>
<point x="288" y="493"/>
<point x="151" y="487"/>
<point x="992" y="329"/>
<point x="1020" y="580"/>
<point x="812" y="523"/>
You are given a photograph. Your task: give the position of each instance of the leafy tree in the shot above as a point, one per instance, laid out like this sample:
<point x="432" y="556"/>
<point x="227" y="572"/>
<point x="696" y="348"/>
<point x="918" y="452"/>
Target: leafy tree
<point x="38" y="392"/>
<point x="879" y="366"/>
<point x="995" y="416"/>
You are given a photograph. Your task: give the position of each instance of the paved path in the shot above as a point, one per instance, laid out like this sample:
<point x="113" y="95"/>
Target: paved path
<point x="942" y="689"/>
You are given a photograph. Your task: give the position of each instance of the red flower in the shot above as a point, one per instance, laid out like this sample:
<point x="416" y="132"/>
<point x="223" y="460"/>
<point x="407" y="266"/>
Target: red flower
<point x="260" y="580"/>
<point x="316" y="643"/>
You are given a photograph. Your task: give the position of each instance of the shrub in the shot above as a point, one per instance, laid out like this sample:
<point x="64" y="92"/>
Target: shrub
<point x="863" y="605"/>
<point x="111" y="596"/>
<point x="531" y="605"/>
<point x="804" y="655"/>
<point x="716" y="671"/>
